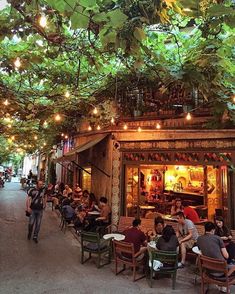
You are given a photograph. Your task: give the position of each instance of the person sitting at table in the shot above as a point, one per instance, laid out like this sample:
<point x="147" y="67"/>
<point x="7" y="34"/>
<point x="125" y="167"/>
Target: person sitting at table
<point x="105" y="211"/>
<point x="135" y="236"/>
<point x="68" y="211"/>
<point x="67" y="191"/>
<point x="85" y="199"/>
<point x="187" y="235"/>
<point x="92" y="203"/>
<point x="224" y="233"/>
<point x="190" y="213"/>
<point x="168" y="241"/>
<point x="158" y="226"/>
<point x="77" y="194"/>
<point x="177" y="206"/>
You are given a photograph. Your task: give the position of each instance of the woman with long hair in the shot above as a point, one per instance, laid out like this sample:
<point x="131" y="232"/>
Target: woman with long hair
<point x="177" y="206"/>
<point x="168" y="241"/>
<point x="224" y="233"/>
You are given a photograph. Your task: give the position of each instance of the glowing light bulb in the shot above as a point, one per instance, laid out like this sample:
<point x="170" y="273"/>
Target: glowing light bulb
<point x="7" y="148"/>
<point x="9" y="126"/>
<point x="12" y="138"/>
<point x="67" y="94"/>
<point x="44" y="144"/>
<point x="188" y="116"/>
<point x="57" y="117"/>
<point x="35" y="137"/>
<point x="62" y="135"/>
<point x="6" y="102"/>
<point x="125" y="127"/>
<point x="233" y="98"/>
<point x="95" y="110"/>
<point x="89" y="128"/>
<point x="17" y="63"/>
<point x="66" y="136"/>
<point x="139" y="129"/>
<point x="43" y="21"/>
<point x="98" y="127"/>
<point x="45" y="124"/>
<point x="158" y="126"/>
<point x="112" y="120"/>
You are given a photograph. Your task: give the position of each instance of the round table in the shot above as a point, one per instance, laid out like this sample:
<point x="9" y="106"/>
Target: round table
<point x="147" y="207"/>
<point x="115" y="236"/>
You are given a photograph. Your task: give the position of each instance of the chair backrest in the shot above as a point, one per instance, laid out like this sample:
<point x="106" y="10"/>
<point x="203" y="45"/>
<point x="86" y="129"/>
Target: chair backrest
<point x="124" y="223"/>
<point x="168" y="257"/>
<point x="124" y="250"/>
<point x="91" y="237"/>
<point x="216" y="265"/>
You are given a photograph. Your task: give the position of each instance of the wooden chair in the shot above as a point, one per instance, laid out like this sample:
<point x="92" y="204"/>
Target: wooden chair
<point x="207" y="264"/>
<point x="169" y="259"/>
<point x="124" y="253"/>
<point x="93" y="244"/>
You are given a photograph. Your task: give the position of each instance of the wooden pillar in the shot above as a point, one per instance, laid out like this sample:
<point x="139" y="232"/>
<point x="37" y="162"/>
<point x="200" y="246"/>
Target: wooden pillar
<point x="205" y="185"/>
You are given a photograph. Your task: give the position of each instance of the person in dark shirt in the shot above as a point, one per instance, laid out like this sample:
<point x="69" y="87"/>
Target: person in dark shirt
<point x="224" y="233"/>
<point x="135" y="236"/>
<point x="168" y="241"/>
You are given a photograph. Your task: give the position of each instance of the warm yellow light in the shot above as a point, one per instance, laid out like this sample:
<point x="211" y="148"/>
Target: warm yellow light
<point x="98" y="127"/>
<point x="67" y="94"/>
<point x="45" y="124"/>
<point x="187" y="9"/>
<point x="43" y="21"/>
<point x="9" y="140"/>
<point x="44" y="144"/>
<point x="112" y="120"/>
<point x="89" y="128"/>
<point x="9" y="126"/>
<point x="35" y="137"/>
<point x="95" y="110"/>
<point x="29" y="146"/>
<point x="139" y="129"/>
<point x="188" y="116"/>
<point x="233" y="98"/>
<point x="62" y="135"/>
<point x="6" y="102"/>
<point x="58" y="117"/>
<point x="158" y="126"/>
<point x="17" y="63"/>
<point x="12" y="137"/>
<point x="7" y="119"/>
<point x="66" y="136"/>
<point x="7" y="148"/>
<point x="125" y="127"/>
<point x="18" y="149"/>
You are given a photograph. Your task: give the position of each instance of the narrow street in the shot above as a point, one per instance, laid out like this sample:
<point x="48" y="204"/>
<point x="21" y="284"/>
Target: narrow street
<point x="53" y="265"/>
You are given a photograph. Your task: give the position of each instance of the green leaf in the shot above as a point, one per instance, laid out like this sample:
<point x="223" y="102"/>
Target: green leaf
<point x="100" y="17"/>
<point x="220" y="10"/>
<point x="117" y="18"/>
<point x="79" y="21"/>
<point x="139" y="34"/>
<point x="87" y="3"/>
<point x="58" y="4"/>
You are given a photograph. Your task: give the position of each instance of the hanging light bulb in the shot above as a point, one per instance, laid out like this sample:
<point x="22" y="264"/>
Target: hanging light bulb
<point x="62" y="135"/>
<point x="9" y="126"/>
<point x="98" y="127"/>
<point x="35" y="137"/>
<point x="89" y="128"/>
<point x="6" y="102"/>
<point x="7" y="148"/>
<point x="12" y="138"/>
<point x="44" y="144"/>
<point x="66" y="136"/>
<point x="58" y="117"/>
<point x="43" y="21"/>
<point x="233" y="98"/>
<point x="158" y="126"/>
<point x="95" y="110"/>
<point x="17" y="63"/>
<point x="125" y="127"/>
<point x="45" y="124"/>
<point x="139" y="129"/>
<point x="188" y="116"/>
<point x="112" y="120"/>
<point x="67" y="94"/>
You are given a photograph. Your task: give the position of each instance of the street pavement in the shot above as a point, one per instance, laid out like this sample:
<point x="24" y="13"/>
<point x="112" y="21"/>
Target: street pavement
<point x="53" y="265"/>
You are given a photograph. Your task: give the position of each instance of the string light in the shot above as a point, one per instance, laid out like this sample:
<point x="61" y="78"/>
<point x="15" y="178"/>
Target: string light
<point x="98" y="127"/>
<point x="67" y="94"/>
<point x="188" y="116"/>
<point x="9" y="126"/>
<point x="89" y="128"/>
<point x="35" y="137"/>
<point x="45" y="124"/>
<point x="62" y="135"/>
<point x="17" y="63"/>
<point x="44" y="144"/>
<point x="125" y="127"/>
<point x="57" y="117"/>
<point x="66" y="136"/>
<point x="6" y="102"/>
<point x="233" y="98"/>
<point x="12" y="138"/>
<point x="158" y="126"/>
<point x="112" y="120"/>
<point x="139" y="129"/>
<point x="43" y="21"/>
<point x="95" y="110"/>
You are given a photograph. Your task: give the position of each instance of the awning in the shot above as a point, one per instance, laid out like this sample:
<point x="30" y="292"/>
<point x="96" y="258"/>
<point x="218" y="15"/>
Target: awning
<point x="71" y="155"/>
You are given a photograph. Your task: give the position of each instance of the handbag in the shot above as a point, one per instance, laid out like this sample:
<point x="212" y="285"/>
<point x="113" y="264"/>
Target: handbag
<point x="27" y="213"/>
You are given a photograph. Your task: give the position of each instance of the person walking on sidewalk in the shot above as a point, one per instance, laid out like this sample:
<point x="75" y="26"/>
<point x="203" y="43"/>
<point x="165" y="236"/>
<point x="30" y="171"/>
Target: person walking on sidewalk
<point x="36" y="202"/>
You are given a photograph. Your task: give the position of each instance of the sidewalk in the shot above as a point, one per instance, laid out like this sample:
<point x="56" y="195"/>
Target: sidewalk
<point x="53" y="265"/>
